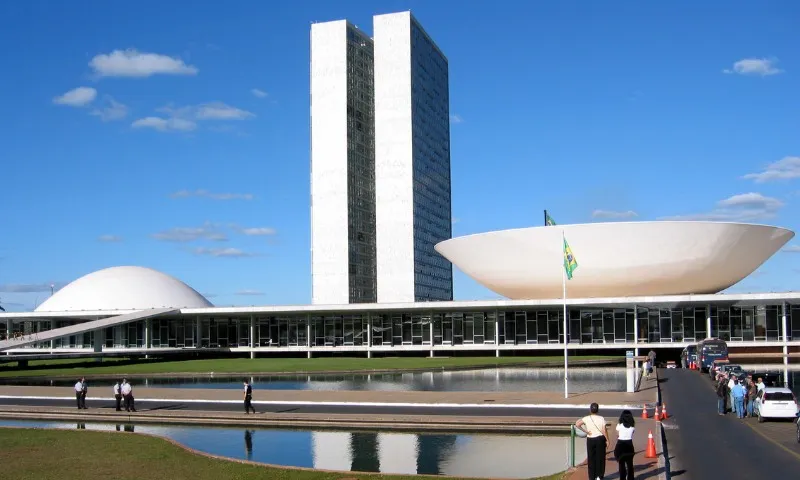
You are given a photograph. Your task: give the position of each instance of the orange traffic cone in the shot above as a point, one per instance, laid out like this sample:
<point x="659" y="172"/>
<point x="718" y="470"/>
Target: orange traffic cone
<point x="657" y="416"/>
<point x="664" y="415"/>
<point x="651" y="446"/>
<point x="644" y="412"/>
<point x="691" y="365"/>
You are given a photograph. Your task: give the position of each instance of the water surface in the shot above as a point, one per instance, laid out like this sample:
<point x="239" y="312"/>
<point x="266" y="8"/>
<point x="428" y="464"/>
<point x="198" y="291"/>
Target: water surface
<point x="470" y="455"/>
<point x="509" y="379"/>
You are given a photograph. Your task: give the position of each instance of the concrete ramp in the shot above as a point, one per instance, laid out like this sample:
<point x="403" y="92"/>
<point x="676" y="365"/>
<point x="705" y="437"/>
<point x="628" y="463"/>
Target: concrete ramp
<point x="84" y="327"/>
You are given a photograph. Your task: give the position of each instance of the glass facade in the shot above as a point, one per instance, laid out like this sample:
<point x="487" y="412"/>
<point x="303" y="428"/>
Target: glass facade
<point x="430" y="112"/>
<point x="362" y="274"/>
<point x="609" y="326"/>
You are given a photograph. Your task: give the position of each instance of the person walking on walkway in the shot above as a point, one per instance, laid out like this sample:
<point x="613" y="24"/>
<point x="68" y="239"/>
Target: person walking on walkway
<point x="118" y="395"/>
<point x="738" y="393"/>
<point x="623" y="450"/>
<point x="248" y="398"/>
<point x="596" y="441"/>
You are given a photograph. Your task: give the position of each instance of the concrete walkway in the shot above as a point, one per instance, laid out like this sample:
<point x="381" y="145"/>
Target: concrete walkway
<point x="644" y="468"/>
<point x="349" y="397"/>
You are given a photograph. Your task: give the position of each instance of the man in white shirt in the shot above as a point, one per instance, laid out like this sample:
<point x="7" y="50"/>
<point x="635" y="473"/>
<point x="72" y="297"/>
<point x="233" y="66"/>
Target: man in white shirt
<point x="127" y="394"/>
<point x="118" y="395"/>
<point x="79" y="394"/>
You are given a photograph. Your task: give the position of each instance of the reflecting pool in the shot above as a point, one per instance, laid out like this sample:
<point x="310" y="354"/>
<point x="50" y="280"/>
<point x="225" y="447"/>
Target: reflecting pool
<point x="582" y="380"/>
<point x="478" y="455"/>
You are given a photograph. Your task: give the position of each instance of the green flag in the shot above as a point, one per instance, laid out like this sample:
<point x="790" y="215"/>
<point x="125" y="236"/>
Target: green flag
<point x="570" y="262"/>
<point x="548" y="220"/>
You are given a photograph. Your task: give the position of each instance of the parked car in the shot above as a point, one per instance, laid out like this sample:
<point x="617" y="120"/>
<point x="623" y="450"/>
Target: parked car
<point x="775" y="402"/>
<point x="731" y="369"/>
<point x="714" y="367"/>
<point x="671" y="364"/>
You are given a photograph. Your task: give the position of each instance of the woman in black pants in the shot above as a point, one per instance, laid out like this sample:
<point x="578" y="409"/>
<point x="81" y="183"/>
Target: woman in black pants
<point x="624" y="450"/>
<point x="596" y="442"/>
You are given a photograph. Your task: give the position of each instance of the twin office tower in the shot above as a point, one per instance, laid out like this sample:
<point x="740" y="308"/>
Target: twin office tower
<point x="380" y="163"/>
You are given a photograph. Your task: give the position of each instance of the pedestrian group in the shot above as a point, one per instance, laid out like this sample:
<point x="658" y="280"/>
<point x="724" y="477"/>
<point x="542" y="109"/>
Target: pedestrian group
<point x="737" y="396"/>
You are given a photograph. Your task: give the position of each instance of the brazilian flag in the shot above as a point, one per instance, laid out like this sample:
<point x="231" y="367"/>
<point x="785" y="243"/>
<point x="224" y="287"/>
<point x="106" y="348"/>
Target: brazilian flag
<point x="548" y="220"/>
<point x="570" y="262"/>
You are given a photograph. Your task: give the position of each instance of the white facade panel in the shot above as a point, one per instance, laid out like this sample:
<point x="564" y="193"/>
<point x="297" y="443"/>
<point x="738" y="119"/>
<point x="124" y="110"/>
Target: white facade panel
<point x="621" y="259"/>
<point x="329" y="227"/>
<point x="393" y="158"/>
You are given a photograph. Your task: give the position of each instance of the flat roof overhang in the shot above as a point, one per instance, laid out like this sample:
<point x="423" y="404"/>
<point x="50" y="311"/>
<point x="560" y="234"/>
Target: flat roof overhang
<point x="608" y="302"/>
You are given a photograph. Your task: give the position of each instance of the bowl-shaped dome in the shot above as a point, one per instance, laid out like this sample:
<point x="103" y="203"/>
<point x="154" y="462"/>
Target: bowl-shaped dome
<point x="616" y="259"/>
<point x="124" y="288"/>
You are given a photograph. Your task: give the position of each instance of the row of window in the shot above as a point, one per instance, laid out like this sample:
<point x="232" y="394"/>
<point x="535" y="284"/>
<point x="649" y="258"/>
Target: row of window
<point x="607" y="326"/>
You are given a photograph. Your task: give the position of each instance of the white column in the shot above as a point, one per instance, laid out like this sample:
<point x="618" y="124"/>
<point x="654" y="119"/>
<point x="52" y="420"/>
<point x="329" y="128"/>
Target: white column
<point x="708" y="321"/>
<point x="52" y="327"/>
<point x="430" y="330"/>
<point x="369" y="335"/>
<point x="148" y="325"/>
<point x="496" y="333"/>
<point x="636" y="336"/>
<point x="252" y="336"/>
<point x="784" y="326"/>
<point x="308" y="335"/>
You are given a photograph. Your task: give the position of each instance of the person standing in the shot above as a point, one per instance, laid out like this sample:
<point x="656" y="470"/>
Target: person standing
<point x="652" y="357"/>
<point x="118" y="395"/>
<point x="248" y="398"/>
<point x="79" y="393"/>
<point x="752" y="393"/>
<point x="623" y="450"/>
<point x="127" y="395"/>
<point x="596" y="441"/>
<point x="84" y="391"/>
<point x="738" y="393"/>
<point x="722" y="395"/>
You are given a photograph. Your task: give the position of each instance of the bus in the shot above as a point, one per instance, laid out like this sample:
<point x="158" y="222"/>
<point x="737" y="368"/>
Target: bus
<point x="709" y="350"/>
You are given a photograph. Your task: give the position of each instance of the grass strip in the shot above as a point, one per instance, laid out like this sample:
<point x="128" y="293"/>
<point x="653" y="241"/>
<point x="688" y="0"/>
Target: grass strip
<point x="58" y="368"/>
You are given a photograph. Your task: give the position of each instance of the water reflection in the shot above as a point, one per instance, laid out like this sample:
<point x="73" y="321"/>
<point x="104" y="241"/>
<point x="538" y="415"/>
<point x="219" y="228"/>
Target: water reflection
<point x="498" y="456"/>
<point x="582" y="380"/>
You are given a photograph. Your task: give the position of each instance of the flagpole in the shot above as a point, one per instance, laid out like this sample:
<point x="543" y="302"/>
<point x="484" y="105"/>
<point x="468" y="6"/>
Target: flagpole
<point x="566" y="337"/>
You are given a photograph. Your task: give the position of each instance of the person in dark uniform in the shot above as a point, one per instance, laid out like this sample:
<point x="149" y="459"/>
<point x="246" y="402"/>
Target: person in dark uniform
<point x="248" y="398"/>
<point x="118" y="395"/>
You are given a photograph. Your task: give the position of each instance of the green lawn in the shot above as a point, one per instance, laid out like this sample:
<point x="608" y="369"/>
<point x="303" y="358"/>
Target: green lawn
<point x="71" y="368"/>
<point x="32" y="454"/>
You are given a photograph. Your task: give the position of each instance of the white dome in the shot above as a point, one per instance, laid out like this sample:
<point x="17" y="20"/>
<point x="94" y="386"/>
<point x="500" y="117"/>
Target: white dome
<point x="616" y="259"/>
<point x="124" y="288"/>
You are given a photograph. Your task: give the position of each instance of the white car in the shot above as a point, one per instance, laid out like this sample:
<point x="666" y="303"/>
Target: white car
<point x="775" y="402"/>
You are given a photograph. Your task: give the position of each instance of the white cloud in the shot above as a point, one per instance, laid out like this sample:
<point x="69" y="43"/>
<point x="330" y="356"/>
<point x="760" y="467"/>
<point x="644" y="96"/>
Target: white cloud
<point x="132" y="63"/>
<point x="456" y="118"/>
<point x="614" y="214"/>
<point x="211" y="195"/>
<point x="223" y="252"/>
<point x="784" y="169"/>
<point x="112" y="110"/>
<point x="755" y="66"/>
<point x="792" y="249"/>
<point x="258" y="93"/>
<point x="257" y="231"/>
<point x="185" y="119"/>
<point x="109" y="238"/>
<point x="745" y="207"/>
<point x="249" y="292"/>
<point x="220" y="111"/>
<point x="165" y="124"/>
<point x="751" y="200"/>
<point x="208" y="231"/>
<point x="78" y="97"/>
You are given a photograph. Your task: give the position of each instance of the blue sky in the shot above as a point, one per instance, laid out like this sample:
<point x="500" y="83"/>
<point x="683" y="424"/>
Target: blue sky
<point x="177" y="138"/>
